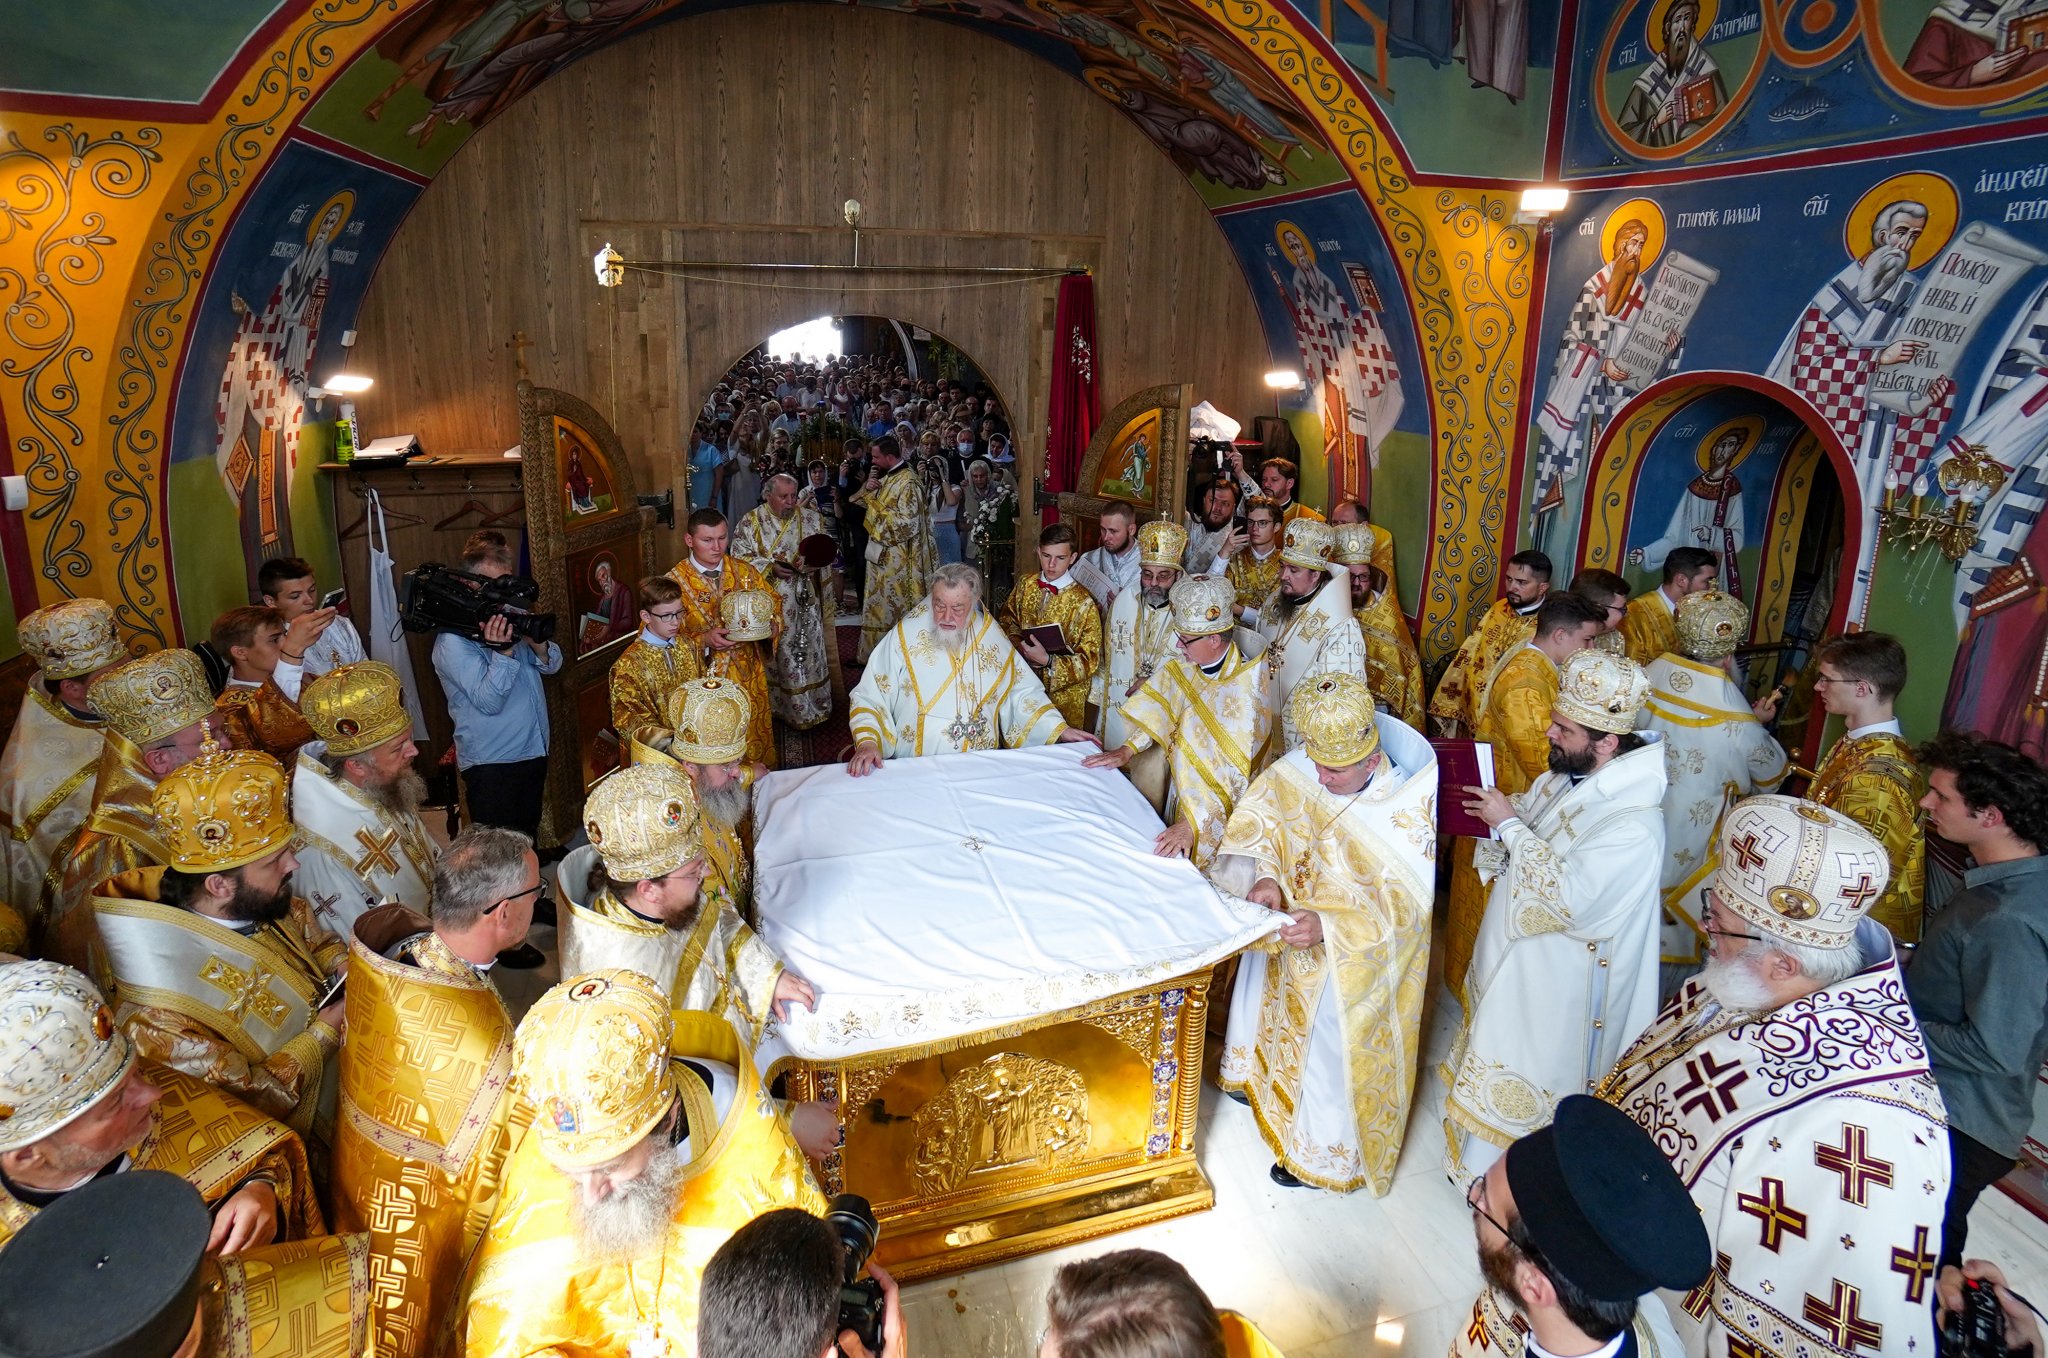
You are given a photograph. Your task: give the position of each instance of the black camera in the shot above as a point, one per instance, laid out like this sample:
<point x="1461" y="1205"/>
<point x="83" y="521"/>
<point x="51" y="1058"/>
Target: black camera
<point x="438" y="598"/>
<point x="1977" y="1328"/>
<point x="860" y="1299"/>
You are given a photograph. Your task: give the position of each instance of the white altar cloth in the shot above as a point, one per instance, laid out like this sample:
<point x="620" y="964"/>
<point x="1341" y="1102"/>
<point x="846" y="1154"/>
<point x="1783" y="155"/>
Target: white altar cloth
<point x="949" y="894"/>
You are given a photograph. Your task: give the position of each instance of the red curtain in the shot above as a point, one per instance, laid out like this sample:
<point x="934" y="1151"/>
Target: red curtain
<point x="1076" y="403"/>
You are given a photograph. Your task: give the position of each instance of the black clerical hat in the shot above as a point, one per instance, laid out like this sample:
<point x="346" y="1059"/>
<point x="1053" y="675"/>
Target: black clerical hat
<point x="108" y="1269"/>
<point x="1604" y="1206"/>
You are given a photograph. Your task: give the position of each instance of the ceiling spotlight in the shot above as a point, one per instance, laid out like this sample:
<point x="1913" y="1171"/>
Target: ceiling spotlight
<point x="348" y="384"/>
<point x="1284" y="379"/>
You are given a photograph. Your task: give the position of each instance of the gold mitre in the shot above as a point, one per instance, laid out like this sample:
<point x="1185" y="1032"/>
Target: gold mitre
<point x="60" y="1052"/>
<point x="1162" y="543"/>
<point x="748" y="614"/>
<point x="225" y="809"/>
<point x="153" y="696"/>
<point x="1711" y="624"/>
<point x="1307" y="543"/>
<point x="643" y="820"/>
<point x="356" y="707"/>
<point x="72" y="638"/>
<point x="1335" y="715"/>
<point x="710" y="719"/>
<point x="592" y="1058"/>
<point x="1602" y="692"/>
<point x="1354" y="544"/>
<point x="1201" y="605"/>
<point x="1799" y="871"/>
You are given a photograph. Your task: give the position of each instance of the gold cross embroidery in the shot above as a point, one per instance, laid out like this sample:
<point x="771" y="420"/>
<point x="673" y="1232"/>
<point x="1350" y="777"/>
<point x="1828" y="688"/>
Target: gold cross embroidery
<point x="247" y="991"/>
<point x="377" y="853"/>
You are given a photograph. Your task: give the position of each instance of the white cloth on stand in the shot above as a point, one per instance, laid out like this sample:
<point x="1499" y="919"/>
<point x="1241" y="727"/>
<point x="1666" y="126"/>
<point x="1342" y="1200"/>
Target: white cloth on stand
<point x="943" y="896"/>
<point x="387" y="638"/>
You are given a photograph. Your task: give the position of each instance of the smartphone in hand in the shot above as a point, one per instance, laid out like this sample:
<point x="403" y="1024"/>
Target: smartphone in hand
<point x="333" y="598"/>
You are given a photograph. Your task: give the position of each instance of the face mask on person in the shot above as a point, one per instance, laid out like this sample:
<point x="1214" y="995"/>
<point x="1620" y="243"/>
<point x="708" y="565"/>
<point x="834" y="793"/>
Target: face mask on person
<point x="966" y="445"/>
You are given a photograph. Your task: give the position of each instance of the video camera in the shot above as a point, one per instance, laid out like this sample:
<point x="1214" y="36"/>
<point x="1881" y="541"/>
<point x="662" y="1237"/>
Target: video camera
<point x="438" y="598"/>
<point x="860" y="1302"/>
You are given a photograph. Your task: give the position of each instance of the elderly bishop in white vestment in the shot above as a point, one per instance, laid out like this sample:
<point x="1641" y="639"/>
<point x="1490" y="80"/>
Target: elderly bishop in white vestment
<point x="945" y="679"/>
<point x="1564" y="973"/>
<point x="1809" y="1130"/>
<point x="1325" y="1023"/>
<point x="1716" y="753"/>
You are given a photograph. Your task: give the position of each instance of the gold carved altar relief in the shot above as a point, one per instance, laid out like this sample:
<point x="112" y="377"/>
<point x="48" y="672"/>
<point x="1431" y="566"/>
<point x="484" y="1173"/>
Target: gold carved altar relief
<point x="1023" y="1137"/>
<point x="1008" y="1112"/>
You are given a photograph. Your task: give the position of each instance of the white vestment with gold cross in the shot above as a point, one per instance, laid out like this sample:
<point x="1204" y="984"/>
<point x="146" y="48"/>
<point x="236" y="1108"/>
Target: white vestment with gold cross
<point x="1324" y="1040"/>
<point x="1136" y="640"/>
<point x="800" y="674"/>
<point x="1814" y="1142"/>
<point x="1319" y="637"/>
<point x="1564" y="973"/>
<point x="1715" y="753"/>
<point x="354" y="854"/>
<point x="915" y="697"/>
<point x="46" y="784"/>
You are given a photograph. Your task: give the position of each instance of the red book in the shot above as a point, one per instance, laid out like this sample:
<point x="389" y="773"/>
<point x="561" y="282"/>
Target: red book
<point x="1461" y="764"/>
<point x="1052" y="636"/>
<point x="818" y="551"/>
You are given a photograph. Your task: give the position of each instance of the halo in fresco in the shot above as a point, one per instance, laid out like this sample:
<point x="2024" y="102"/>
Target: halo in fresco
<point x="1664" y="90"/>
<point x="1750" y="427"/>
<point x="1932" y="191"/>
<point x="1643" y="210"/>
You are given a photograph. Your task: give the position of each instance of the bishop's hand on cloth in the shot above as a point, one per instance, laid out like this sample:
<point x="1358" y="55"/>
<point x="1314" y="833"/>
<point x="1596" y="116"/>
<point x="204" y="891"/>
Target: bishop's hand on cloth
<point x="1324" y="1036"/>
<point x="920" y="695"/>
<point x="1565" y="970"/>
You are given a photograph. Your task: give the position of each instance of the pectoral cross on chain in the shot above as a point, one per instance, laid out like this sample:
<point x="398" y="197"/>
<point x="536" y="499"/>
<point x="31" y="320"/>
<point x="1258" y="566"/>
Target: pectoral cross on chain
<point x="968" y="731"/>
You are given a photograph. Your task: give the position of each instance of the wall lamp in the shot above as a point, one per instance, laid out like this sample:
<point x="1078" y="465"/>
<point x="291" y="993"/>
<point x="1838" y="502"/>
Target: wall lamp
<point x="1540" y="203"/>
<point x="1284" y="379"/>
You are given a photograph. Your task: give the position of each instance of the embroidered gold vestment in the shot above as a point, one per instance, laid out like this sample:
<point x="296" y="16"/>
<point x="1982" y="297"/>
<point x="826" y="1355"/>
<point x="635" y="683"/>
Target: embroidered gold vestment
<point x="119" y="835"/>
<point x="1873" y="781"/>
<point x="299" y="1299"/>
<point x="426" y="1120"/>
<point x="1068" y="678"/>
<point x="1211" y="728"/>
<point x="46" y="787"/>
<point x="800" y="676"/>
<point x="1649" y="627"/>
<point x="1460" y="696"/>
<point x="900" y="554"/>
<point x="1393" y="667"/>
<point x="915" y="697"/>
<point x="642" y="678"/>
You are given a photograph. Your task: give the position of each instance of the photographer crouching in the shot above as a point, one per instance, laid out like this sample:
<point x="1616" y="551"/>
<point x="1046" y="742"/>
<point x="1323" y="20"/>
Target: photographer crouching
<point x="784" y="1286"/>
<point x="495" y="699"/>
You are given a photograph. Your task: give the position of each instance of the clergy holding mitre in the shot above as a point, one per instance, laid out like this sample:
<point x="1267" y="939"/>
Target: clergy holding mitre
<point x="945" y="679"/>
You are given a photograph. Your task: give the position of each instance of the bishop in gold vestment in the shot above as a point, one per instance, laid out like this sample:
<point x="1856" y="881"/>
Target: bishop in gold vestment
<point x="600" y="1087"/>
<point x="1392" y="666"/>
<point x="1871" y="778"/>
<point x="900" y="552"/>
<point x="46" y="774"/>
<point x="427" y="1119"/>
<point x="160" y="703"/>
<point x="1210" y="719"/>
<point x="1460" y="697"/>
<point x="744" y="662"/>
<point x="1325" y="1033"/>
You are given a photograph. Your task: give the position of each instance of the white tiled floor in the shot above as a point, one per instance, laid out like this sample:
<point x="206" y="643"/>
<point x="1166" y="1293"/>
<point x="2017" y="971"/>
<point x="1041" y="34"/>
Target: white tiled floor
<point x="1324" y="1275"/>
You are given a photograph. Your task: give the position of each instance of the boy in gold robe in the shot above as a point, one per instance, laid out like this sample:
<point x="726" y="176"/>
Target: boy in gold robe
<point x="1461" y="693"/>
<point x="649" y="669"/>
<point x="1869" y="775"/>
<point x="1053" y="596"/>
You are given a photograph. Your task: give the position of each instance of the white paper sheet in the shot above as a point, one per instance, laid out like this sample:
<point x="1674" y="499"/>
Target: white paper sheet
<point x="946" y="895"/>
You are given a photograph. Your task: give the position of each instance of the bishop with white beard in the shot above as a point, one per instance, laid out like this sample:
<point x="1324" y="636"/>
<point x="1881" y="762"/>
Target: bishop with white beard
<point x="945" y="679"/>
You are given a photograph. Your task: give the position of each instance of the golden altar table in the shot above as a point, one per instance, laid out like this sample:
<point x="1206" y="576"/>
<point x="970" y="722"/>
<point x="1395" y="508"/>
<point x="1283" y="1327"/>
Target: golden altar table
<point x="1026" y="1137"/>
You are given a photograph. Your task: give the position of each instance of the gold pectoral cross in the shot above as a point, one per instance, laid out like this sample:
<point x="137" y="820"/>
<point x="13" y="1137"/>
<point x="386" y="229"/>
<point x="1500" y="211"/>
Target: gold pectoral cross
<point x="247" y="991"/>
